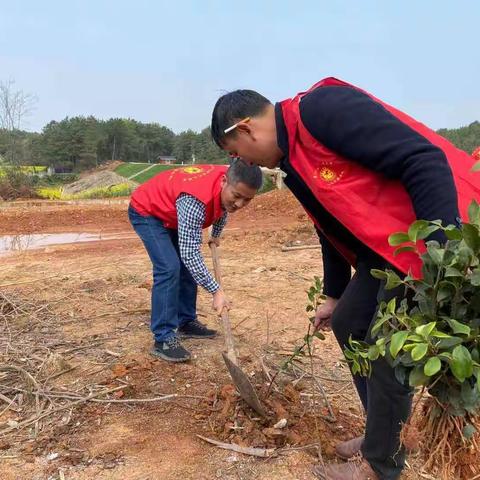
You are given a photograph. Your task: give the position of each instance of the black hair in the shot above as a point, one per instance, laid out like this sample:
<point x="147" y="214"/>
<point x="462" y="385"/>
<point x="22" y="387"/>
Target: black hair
<point x="233" y="107"/>
<point x="250" y="175"/>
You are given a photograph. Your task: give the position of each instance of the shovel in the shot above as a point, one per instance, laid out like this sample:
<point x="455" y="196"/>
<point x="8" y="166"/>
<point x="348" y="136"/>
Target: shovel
<point x="239" y="377"/>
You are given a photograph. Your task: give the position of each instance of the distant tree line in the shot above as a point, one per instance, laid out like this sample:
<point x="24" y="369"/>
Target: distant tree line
<point x="79" y="143"/>
<point x="465" y="138"/>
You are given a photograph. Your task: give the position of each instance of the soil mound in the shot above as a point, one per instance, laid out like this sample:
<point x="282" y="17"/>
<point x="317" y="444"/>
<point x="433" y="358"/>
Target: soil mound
<point x="99" y="179"/>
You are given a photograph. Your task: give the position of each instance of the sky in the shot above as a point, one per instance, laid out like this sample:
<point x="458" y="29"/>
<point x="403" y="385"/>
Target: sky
<point x="168" y="61"/>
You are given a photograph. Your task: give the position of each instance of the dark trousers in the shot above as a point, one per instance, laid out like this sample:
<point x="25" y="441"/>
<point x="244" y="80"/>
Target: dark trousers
<point x="174" y="291"/>
<point x="386" y="401"/>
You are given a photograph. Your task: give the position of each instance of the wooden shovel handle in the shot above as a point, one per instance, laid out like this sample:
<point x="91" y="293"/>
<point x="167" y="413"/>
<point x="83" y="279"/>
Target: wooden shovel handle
<point x="227" y="329"/>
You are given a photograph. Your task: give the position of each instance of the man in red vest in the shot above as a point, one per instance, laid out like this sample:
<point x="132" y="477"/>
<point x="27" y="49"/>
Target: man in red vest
<point x="168" y="213"/>
<point x="362" y="170"/>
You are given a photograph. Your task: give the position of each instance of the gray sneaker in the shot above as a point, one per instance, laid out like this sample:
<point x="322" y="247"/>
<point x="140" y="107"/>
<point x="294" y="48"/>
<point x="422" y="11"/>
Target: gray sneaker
<point x="171" y="350"/>
<point x="196" y="329"/>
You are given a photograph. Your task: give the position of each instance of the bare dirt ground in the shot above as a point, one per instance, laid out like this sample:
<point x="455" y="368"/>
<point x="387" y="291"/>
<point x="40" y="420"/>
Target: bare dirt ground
<point x="80" y="317"/>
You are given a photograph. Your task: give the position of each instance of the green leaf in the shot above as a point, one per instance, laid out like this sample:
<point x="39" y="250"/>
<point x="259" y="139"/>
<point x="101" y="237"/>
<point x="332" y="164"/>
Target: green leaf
<point x="392" y="305"/>
<point x="436" y="253"/>
<point x="439" y="334"/>
<point x="449" y="342"/>
<point x="446" y="356"/>
<point x="415" y="228"/>
<point x="425" y="330"/>
<point x="453" y="233"/>
<point x="458" y="327"/>
<point x="475" y="278"/>
<point x="471" y="236"/>
<point x="426" y="232"/>
<point x="393" y="280"/>
<point x="415" y="338"/>
<point x="461" y="364"/>
<point x="380" y="274"/>
<point x="453" y="272"/>
<point x="398" y="238"/>
<point x="407" y="248"/>
<point x="476" y="167"/>
<point x="356" y="367"/>
<point x="373" y="352"/>
<point x="419" y="351"/>
<point x="432" y="366"/>
<point x="465" y="256"/>
<point x="445" y="292"/>
<point x="319" y="335"/>
<point x="380" y="322"/>
<point x="474" y="211"/>
<point x="298" y="351"/>
<point x="397" y="341"/>
<point x="475" y="356"/>
<point x="417" y="378"/>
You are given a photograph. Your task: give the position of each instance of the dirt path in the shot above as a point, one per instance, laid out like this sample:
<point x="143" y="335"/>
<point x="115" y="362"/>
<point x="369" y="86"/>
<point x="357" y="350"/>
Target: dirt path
<point x="99" y="294"/>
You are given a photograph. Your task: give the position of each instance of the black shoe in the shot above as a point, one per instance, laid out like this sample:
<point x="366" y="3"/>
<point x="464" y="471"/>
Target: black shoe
<point x="171" y="350"/>
<point x="195" y="329"/>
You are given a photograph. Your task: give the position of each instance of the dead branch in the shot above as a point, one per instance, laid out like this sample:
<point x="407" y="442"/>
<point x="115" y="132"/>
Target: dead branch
<point x="256" y="452"/>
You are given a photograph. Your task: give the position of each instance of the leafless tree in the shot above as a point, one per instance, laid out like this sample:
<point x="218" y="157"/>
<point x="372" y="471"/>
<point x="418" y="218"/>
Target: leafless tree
<point x="15" y="107"/>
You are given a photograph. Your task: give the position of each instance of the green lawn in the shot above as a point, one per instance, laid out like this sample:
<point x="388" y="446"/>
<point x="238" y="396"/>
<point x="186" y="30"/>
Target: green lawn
<point x="128" y="169"/>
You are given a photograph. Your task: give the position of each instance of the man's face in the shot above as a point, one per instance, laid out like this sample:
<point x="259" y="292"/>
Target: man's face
<point x="236" y="196"/>
<point x="255" y="142"/>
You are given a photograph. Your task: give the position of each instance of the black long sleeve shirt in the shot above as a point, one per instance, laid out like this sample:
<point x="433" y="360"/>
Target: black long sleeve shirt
<point x="358" y="128"/>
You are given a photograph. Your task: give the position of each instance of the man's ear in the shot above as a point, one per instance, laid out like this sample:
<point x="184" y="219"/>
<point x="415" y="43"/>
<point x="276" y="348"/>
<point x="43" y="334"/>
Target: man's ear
<point x="223" y="182"/>
<point x="244" y="129"/>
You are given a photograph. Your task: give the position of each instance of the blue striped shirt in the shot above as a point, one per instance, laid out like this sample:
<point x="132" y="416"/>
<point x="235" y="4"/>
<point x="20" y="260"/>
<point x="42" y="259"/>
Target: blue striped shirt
<point x="191" y="214"/>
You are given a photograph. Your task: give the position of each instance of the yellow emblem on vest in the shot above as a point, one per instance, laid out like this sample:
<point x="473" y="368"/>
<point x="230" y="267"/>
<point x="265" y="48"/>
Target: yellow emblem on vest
<point x="192" y="170"/>
<point x="327" y="174"/>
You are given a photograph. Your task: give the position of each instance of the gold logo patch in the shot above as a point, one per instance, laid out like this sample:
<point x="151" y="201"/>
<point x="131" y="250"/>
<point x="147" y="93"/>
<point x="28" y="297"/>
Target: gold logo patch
<point x="328" y="174"/>
<point x="192" y="170"/>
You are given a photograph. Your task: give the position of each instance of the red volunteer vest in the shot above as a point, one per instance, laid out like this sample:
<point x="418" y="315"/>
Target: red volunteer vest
<point x="368" y="204"/>
<point x="157" y="196"/>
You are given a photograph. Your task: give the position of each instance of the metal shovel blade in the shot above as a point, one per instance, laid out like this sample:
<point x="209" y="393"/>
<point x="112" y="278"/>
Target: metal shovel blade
<point x="245" y="388"/>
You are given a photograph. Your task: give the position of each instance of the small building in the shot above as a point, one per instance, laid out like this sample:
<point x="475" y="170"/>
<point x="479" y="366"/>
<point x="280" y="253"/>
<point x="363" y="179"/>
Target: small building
<point x="166" y="159"/>
<point x="476" y="154"/>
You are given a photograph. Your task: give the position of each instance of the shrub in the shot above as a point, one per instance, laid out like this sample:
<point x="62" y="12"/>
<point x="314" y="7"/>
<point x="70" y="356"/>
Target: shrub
<point x="434" y="343"/>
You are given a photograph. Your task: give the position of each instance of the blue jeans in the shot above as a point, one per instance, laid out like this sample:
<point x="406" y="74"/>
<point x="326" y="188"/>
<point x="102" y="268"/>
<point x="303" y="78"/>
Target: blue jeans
<point x="174" y="291"/>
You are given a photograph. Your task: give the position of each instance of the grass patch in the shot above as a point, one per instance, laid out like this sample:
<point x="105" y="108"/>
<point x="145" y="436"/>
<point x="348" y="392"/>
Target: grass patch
<point x="128" y="169"/>
<point x="143" y="177"/>
<point x="267" y="186"/>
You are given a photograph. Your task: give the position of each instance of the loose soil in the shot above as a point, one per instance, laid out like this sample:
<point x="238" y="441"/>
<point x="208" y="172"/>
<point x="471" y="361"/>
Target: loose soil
<point x="98" y="297"/>
<point x="96" y="179"/>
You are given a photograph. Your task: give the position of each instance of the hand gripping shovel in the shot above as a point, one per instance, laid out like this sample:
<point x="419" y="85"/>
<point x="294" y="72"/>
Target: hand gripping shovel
<point x="239" y="377"/>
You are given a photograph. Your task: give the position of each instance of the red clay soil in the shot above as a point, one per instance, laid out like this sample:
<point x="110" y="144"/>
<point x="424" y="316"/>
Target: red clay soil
<point x="269" y="210"/>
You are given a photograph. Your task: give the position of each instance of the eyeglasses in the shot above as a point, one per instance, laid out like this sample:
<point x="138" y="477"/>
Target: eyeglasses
<point x="233" y="127"/>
